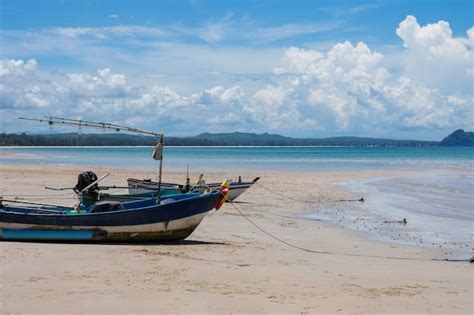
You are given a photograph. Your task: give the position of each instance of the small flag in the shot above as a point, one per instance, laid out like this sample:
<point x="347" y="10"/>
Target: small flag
<point x="158" y="152"/>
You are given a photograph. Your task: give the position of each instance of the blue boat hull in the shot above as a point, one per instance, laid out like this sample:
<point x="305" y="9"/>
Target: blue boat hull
<point x="141" y="221"/>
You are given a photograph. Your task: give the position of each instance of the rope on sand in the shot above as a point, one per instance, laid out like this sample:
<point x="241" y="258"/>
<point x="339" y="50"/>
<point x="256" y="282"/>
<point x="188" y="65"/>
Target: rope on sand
<point x="306" y="201"/>
<point x="471" y="260"/>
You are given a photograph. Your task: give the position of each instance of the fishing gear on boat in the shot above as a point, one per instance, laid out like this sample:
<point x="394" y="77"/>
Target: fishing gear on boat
<point x="90" y="124"/>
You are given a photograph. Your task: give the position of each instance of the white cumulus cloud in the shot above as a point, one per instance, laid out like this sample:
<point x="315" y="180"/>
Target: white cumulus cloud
<point x="104" y="83"/>
<point x="435" y="57"/>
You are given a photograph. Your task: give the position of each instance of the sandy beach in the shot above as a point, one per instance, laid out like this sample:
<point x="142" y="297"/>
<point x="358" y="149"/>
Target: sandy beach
<point x="227" y="265"/>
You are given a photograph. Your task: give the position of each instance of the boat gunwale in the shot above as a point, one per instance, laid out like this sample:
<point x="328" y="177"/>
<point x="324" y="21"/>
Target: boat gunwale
<point x="108" y="212"/>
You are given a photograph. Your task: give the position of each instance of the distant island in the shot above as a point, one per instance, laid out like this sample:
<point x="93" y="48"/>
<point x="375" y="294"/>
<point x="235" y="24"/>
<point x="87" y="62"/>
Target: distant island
<point x="457" y="138"/>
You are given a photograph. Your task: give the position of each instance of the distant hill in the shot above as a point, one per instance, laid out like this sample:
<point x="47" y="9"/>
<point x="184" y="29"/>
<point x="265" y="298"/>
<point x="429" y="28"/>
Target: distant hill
<point x="204" y="139"/>
<point x="459" y="138"/>
<point x="243" y="138"/>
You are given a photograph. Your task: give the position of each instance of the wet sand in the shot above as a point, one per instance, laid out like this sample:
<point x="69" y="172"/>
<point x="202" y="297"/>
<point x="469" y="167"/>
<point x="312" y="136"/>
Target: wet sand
<point x="227" y="265"/>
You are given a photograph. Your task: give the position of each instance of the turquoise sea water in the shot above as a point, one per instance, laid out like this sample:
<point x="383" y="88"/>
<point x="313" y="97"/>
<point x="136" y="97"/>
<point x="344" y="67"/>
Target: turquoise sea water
<point x="437" y="200"/>
<point x="273" y="159"/>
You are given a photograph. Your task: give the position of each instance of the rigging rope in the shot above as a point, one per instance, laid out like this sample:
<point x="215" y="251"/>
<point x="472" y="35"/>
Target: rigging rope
<point x="303" y="200"/>
<point x="471" y="260"/>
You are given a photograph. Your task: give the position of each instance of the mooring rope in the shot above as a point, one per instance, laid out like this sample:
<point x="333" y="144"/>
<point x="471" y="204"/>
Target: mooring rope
<point x="306" y="201"/>
<point x="271" y="235"/>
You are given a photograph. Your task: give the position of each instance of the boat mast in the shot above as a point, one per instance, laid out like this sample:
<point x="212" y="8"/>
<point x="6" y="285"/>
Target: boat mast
<point x="161" y="142"/>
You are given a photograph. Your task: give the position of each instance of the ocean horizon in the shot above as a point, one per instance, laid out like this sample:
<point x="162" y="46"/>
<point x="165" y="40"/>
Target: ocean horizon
<point x="247" y="158"/>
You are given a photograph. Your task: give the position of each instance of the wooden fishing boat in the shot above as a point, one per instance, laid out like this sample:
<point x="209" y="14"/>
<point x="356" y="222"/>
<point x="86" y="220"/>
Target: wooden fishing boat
<point x="164" y="218"/>
<point x="236" y="188"/>
<point x="174" y="219"/>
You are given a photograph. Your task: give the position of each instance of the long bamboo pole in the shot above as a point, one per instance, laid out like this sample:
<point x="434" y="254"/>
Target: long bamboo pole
<point x="89" y="124"/>
<point x="32" y="203"/>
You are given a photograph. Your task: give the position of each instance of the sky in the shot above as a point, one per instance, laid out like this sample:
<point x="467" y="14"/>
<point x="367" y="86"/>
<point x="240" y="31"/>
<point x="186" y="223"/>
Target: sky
<point x="392" y="69"/>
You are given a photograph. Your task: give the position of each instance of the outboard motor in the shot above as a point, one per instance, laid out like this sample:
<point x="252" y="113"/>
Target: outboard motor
<point x="85" y="179"/>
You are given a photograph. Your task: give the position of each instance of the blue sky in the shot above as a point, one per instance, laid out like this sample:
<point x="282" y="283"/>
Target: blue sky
<point x="395" y="69"/>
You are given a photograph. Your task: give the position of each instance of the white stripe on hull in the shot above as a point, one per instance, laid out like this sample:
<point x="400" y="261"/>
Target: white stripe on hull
<point x="236" y="192"/>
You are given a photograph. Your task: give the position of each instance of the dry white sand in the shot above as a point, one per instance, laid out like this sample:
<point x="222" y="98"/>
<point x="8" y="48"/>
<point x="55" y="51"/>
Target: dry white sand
<point x="227" y="265"/>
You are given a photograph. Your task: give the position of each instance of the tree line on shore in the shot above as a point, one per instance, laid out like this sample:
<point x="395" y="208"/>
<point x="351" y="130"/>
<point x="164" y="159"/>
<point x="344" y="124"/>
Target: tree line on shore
<point x="207" y="139"/>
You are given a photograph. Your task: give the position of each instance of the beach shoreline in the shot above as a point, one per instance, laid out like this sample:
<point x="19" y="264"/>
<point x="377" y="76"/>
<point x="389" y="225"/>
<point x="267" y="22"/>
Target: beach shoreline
<point x="227" y="263"/>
